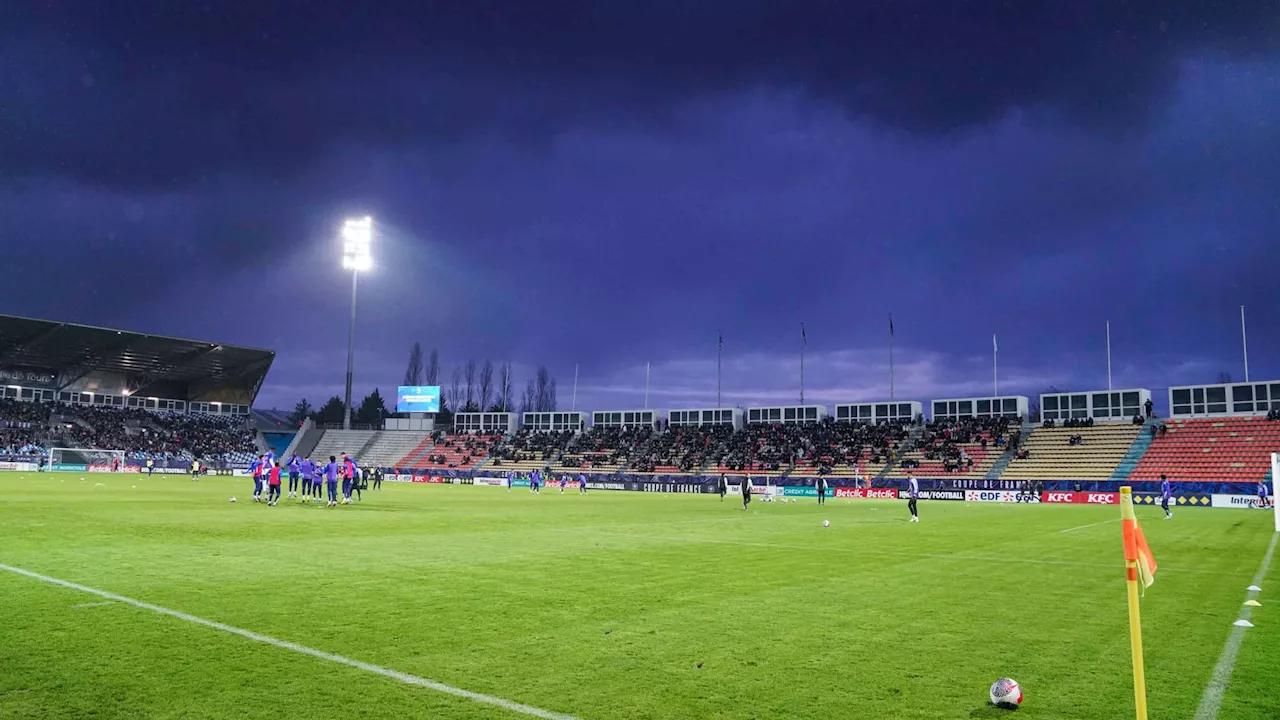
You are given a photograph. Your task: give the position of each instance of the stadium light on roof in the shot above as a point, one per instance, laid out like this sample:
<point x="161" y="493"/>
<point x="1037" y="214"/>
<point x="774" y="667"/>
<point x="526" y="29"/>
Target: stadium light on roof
<point x="357" y="237"/>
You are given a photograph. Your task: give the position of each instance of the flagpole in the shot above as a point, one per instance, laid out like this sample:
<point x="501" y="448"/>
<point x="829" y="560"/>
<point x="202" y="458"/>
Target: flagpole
<point x="995" y="367"/>
<point x="574" y="403"/>
<point x="646" y="385"/>
<point x="719" y="354"/>
<point x="1108" y="355"/>
<point x="1244" y="340"/>
<point x="803" y="342"/>
<point x="890" y="357"/>
<point x="1135" y="611"/>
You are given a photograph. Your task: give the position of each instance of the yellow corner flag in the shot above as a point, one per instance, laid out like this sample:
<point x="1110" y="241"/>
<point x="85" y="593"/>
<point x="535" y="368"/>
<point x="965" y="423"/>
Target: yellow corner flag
<point x="1139" y="565"/>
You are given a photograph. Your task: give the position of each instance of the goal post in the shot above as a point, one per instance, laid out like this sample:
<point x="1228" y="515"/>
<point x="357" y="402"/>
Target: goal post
<point x="85" y="459"/>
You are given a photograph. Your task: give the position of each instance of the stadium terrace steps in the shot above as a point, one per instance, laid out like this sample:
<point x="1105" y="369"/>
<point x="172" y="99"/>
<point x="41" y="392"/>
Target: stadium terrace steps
<point x="389" y="446"/>
<point x="458" y="451"/>
<point x="1211" y="450"/>
<point x="983" y="458"/>
<point x="304" y="443"/>
<point x="1001" y="462"/>
<point x="416" y="454"/>
<point x="1051" y="456"/>
<point x="1130" y="461"/>
<point x="359" y="454"/>
<point x="911" y="443"/>
<point x="336" y="442"/>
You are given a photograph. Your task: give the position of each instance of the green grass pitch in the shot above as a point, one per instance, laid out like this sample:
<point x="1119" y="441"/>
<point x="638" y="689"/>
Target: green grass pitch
<point x="611" y="606"/>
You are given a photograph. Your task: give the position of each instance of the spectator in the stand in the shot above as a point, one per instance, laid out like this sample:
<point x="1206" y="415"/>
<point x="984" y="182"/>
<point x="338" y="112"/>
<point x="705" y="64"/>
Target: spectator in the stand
<point x="1148" y="405"/>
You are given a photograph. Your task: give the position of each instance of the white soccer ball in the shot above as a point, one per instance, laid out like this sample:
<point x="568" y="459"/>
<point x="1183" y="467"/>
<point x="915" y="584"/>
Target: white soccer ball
<point x="1006" y="693"/>
<point x="826" y="523"/>
<point x="233" y="499"/>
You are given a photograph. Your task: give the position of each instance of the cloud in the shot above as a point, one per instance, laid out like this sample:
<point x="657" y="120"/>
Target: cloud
<point x="831" y="377"/>
<point x="161" y="94"/>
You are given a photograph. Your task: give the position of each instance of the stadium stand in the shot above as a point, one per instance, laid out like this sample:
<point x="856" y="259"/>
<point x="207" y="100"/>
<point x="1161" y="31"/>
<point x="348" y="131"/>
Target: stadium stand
<point x="604" y="449"/>
<point x="1233" y="449"/>
<point x="462" y="451"/>
<point x="1048" y="453"/>
<point x="335" y="442"/>
<point x="389" y="447"/>
<point x="682" y="449"/>
<point x="153" y="397"/>
<point x="529" y="450"/>
<point x="842" y="449"/>
<point x="23" y="427"/>
<point x="962" y="449"/>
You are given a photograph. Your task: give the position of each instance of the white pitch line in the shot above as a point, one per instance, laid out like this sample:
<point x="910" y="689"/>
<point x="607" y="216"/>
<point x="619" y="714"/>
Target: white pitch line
<point x="304" y="650"/>
<point x="1211" y="700"/>
<point x="891" y="553"/>
<point x="1081" y="527"/>
<point x="101" y="604"/>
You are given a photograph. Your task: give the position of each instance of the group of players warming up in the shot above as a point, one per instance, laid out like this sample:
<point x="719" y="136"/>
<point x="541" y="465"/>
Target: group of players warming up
<point x="309" y="481"/>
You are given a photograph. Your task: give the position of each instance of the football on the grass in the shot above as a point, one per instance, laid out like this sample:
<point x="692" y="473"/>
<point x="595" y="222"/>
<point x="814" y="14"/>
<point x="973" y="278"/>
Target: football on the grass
<point x="1006" y="693"/>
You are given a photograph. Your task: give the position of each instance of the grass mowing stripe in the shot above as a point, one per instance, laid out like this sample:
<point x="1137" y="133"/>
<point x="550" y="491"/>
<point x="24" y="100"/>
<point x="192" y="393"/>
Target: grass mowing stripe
<point x="302" y="649"/>
<point x="1081" y="527"/>
<point x="872" y="551"/>
<point x="1211" y="700"/>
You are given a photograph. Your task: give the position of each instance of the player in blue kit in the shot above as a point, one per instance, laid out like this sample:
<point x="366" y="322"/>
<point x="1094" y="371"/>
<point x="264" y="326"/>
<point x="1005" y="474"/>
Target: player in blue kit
<point x="511" y="479"/>
<point x="317" y="487"/>
<point x="582" y="484"/>
<point x="294" y="473"/>
<point x="914" y="486"/>
<point x="1262" y="494"/>
<point x="258" y="468"/>
<point x="1166" y="492"/>
<point x="307" y="469"/>
<point x="331" y="481"/>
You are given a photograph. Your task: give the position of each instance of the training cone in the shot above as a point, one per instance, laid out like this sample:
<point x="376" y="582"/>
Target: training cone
<point x="1242" y="623"/>
<point x="1254" y="588"/>
<point x="1253" y="603"/>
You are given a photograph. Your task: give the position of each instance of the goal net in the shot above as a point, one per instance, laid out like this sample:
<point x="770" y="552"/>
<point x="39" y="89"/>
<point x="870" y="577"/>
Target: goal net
<point x="88" y="459"/>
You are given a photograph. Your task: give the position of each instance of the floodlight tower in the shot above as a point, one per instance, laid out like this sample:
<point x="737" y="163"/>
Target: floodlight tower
<point x="357" y="236"/>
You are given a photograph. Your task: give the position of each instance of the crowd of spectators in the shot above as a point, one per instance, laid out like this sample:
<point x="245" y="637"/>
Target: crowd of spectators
<point x="1079" y="422"/>
<point x="606" y="447"/>
<point x="23" y="427"/>
<point x="531" y="445"/>
<point x="946" y="440"/>
<point x="829" y="445"/>
<point x="145" y="434"/>
<point x="461" y="450"/>
<point x="682" y="449"/>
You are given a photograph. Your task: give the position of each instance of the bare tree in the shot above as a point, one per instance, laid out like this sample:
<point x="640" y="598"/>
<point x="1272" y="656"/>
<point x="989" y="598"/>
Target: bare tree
<point x="542" y="380"/>
<point x="469" y="374"/>
<point x="431" y="376"/>
<point x="503" y="402"/>
<point x="551" y="394"/>
<point x="455" y="390"/>
<point x="413" y="376"/>
<point x="485" y="393"/>
<point x="1224" y="377"/>
<point x="529" y="400"/>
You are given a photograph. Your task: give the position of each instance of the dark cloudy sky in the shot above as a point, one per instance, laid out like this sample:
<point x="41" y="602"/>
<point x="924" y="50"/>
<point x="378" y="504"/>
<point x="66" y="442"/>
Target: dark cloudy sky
<point x="612" y="183"/>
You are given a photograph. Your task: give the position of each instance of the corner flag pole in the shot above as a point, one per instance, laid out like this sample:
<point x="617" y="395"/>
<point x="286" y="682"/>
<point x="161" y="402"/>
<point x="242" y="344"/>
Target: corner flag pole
<point x="1275" y="484"/>
<point x="1131" y="561"/>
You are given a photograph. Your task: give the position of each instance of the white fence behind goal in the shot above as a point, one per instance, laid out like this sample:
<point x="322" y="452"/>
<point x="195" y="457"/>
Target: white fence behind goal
<point x="90" y="457"/>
